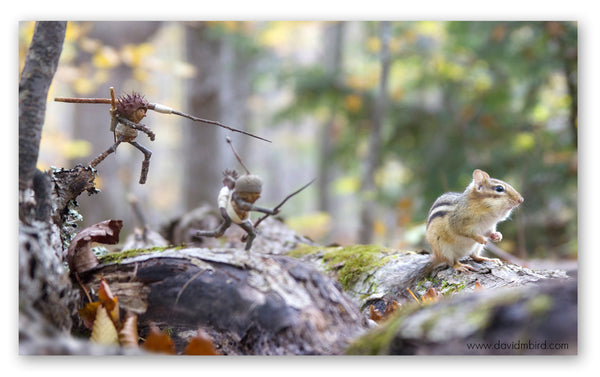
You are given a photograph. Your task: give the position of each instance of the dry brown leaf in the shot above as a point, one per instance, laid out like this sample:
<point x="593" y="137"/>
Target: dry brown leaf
<point x="80" y="256"/>
<point x="375" y="314"/>
<point x="128" y="336"/>
<point x="201" y="344"/>
<point x="109" y="300"/>
<point x="432" y="295"/>
<point x="159" y="342"/>
<point x="88" y="314"/>
<point x="391" y="307"/>
<point x="104" y="331"/>
<point x="477" y="286"/>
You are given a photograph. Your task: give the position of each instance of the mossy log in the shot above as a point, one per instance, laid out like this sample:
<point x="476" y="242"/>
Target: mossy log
<point x="535" y="319"/>
<point x="374" y="275"/>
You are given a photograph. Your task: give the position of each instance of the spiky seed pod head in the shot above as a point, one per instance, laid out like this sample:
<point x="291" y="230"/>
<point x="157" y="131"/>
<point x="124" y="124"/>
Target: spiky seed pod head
<point x="132" y="106"/>
<point x="230" y="173"/>
<point x="248" y="183"/>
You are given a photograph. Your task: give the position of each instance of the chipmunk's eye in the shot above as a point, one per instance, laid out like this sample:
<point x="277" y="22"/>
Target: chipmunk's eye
<point x="499" y="188"/>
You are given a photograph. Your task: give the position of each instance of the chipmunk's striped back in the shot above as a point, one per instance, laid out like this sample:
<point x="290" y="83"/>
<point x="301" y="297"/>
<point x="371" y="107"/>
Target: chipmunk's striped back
<point x="442" y="206"/>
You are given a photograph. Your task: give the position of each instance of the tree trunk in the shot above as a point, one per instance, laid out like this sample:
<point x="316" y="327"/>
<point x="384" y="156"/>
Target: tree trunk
<point x="40" y="66"/>
<point x="334" y="36"/>
<point x="202" y="143"/>
<point x="369" y="189"/>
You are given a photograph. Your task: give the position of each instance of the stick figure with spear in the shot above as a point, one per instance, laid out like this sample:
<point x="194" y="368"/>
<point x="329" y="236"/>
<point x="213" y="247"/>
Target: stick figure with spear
<point x="126" y="113"/>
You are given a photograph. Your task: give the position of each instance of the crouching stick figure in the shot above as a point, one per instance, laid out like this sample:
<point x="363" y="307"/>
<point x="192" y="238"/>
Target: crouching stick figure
<point x="236" y="199"/>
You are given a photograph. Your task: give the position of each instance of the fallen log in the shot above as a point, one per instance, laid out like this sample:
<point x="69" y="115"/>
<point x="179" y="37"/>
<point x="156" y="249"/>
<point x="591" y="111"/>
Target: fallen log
<point x="249" y="303"/>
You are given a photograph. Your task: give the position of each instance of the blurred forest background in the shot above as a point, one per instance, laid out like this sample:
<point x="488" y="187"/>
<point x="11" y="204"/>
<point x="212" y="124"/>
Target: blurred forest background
<point x="386" y="115"/>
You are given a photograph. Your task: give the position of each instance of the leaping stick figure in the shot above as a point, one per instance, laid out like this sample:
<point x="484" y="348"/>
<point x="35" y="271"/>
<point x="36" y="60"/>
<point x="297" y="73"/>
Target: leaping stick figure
<point x="126" y="113"/>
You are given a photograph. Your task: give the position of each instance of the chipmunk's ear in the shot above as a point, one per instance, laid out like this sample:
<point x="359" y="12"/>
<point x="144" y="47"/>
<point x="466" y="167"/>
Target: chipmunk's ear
<point x="479" y="176"/>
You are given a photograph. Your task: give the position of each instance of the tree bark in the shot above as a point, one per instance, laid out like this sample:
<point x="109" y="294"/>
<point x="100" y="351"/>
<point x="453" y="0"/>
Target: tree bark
<point x="202" y="144"/>
<point x="334" y="36"/>
<point x="40" y="66"/>
<point x="538" y="319"/>
<point x="369" y="189"/>
<point x="250" y="303"/>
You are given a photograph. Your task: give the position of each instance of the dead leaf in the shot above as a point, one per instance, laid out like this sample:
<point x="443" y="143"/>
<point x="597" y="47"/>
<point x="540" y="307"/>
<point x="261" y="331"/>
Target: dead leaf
<point x="201" y="344"/>
<point x="391" y="307"/>
<point x="104" y="331"/>
<point x="128" y="336"/>
<point x="88" y="314"/>
<point x="80" y="256"/>
<point x="477" y="286"/>
<point x="108" y="300"/>
<point x="432" y="295"/>
<point x="375" y="314"/>
<point x="159" y="342"/>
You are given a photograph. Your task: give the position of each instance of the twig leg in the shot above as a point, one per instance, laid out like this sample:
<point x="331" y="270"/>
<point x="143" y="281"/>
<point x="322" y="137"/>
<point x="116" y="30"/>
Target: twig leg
<point x="214" y="233"/>
<point x="247" y="226"/>
<point x="105" y="154"/>
<point x="146" y="163"/>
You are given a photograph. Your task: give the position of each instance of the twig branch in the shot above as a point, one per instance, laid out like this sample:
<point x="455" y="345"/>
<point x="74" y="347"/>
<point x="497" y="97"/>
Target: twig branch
<point x="283" y="202"/>
<point x="236" y="155"/>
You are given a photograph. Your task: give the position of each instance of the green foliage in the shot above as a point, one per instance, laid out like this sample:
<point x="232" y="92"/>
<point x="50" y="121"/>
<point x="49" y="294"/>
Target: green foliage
<point x="499" y="96"/>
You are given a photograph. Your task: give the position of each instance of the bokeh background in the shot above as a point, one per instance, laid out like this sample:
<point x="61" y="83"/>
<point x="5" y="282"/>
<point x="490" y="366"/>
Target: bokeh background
<point x="386" y="115"/>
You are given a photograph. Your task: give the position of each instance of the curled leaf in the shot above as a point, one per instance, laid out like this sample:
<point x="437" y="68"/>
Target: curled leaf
<point x="128" y="336"/>
<point x="108" y="300"/>
<point x="80" y="256"/>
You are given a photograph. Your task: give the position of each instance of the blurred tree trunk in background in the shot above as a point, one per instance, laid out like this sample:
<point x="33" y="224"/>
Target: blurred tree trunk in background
<point x="368" y="189"/>
<point x="202" y="144"/>
<point x="333" y="46"/>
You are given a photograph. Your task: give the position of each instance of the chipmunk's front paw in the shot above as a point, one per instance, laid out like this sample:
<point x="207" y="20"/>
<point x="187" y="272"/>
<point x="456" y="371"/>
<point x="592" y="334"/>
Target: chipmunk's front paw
<point x="496" y="237"/>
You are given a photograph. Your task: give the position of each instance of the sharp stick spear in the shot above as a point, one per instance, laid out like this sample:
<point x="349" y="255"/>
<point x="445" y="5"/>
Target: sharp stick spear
<point x="158" y="108"/>
<point x="279" y="205"/>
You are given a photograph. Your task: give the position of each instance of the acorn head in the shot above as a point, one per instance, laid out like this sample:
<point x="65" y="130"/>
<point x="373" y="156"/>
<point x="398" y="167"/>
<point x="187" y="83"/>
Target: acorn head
<point x="248" y="183"/>
<point x="132" y="106"/>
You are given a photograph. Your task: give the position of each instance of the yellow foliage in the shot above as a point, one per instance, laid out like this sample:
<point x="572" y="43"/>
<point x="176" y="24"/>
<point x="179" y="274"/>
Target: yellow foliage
<point x="73" y="149"/>
<point x="83" y="86"/>
<point x="346" y="185"/>
<point x="353" y="103"/>
<point x="313" y="225"/>
<point x="134" y="55"/>
<point x="106" y="57"/>
<point x="373" y="44"/>
<point x="74" y="31"/>
<point x="524" y="141"/>
<point x="379" y="228"/>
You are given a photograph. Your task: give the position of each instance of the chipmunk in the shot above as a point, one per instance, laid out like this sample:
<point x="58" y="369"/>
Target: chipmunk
<point x="459" y="225"/>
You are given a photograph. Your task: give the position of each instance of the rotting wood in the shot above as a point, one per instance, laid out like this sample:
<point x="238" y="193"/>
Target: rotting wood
<point x="249" y="303"/>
